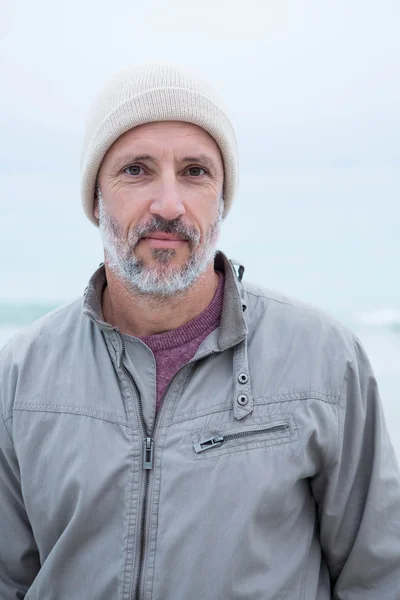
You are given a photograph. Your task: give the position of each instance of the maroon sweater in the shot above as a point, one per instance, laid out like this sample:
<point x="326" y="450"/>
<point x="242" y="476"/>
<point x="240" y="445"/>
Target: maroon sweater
<point x="175" y="348"/>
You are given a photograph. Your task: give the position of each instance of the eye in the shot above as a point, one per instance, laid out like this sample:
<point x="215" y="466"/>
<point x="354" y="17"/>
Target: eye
<point x="195" y="171"/>
<point x="133" y="170"/>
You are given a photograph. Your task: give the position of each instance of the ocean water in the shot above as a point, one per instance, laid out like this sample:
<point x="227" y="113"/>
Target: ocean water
<point x="379" y="331"/>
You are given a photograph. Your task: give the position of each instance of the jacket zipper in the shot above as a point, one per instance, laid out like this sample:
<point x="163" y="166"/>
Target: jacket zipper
<point x="218" y="440"/>
<point x="147" y="459"/>
<point x="148" y="454"/>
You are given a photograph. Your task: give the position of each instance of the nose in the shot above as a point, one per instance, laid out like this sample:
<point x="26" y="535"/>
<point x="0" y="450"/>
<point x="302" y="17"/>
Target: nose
<point x="168" y="199"/>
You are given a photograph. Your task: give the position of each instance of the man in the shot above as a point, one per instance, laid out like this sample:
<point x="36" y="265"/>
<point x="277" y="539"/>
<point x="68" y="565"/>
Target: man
<point x="180" y="433"/>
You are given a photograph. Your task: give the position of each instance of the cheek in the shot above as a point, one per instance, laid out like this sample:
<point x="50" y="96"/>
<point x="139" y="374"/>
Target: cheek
<point x="129" y="208"/>
<point x="207" y="213"/>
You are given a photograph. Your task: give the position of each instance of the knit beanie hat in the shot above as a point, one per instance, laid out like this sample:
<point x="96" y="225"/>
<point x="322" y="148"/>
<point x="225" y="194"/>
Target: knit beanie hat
<point x="148" y="93"/>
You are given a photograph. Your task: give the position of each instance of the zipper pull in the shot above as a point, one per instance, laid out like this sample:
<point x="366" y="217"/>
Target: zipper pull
<point x="210" y="443"/>
<point x="148" y="449"/>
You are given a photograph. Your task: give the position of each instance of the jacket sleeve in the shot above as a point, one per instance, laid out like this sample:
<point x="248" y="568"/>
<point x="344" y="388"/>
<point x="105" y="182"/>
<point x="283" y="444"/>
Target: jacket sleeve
<point x="358" y="494"/>
<point x="19" y="556"/>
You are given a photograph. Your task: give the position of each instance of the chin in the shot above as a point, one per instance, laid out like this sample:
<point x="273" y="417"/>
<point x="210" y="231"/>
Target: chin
<point x="166" y="256"/>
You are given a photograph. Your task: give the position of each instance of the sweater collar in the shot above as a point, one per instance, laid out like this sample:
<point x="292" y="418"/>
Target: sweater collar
<point x="206" y="321"/>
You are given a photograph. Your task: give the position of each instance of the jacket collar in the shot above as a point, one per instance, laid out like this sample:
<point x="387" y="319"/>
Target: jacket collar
<point x="233" y="326"/>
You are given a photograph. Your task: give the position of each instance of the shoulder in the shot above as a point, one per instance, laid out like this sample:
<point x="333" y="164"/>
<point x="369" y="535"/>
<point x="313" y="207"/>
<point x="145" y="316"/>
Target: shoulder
<point x="298" y="324"/>
<point x="48" y="328"/>
<point x="29" y="349"/>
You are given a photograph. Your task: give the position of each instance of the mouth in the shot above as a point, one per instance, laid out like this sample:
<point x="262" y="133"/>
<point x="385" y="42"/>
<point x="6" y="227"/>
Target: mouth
<point x="164" y="240"/>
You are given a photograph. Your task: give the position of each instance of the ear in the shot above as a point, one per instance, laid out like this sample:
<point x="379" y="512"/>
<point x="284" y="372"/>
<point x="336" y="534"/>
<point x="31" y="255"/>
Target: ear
<point x="96" y="207"/>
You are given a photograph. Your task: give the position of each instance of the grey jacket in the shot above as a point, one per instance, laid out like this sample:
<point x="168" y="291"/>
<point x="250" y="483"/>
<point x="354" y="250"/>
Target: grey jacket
<point x="267" y="474"/>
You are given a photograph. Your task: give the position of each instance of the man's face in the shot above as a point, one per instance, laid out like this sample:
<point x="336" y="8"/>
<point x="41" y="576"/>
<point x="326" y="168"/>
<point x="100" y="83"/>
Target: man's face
<point x="160" y="206"/>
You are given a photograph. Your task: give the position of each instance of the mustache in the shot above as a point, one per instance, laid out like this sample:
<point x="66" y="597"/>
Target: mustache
<point x="160" y="225"/>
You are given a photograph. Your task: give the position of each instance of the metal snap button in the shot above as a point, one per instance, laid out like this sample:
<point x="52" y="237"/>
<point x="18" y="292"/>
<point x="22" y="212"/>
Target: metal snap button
<point x="242" y="400"/>
<point x="243" y="378"/>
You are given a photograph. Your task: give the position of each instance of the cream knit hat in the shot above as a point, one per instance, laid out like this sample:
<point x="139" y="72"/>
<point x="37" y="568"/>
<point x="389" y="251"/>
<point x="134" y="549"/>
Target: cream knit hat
<point x="154" y="92"/>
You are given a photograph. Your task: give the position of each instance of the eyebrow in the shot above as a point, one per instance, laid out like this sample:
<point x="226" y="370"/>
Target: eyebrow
<point x="126" y="159"/>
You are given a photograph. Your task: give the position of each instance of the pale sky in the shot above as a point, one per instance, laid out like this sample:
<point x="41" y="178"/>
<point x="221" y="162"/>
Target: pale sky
<point x="313" y="91"/>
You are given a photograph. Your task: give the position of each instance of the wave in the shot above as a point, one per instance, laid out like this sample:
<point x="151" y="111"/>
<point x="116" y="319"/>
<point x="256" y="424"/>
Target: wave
<point x="384" y="318"/>
<point x="22" y="313"/>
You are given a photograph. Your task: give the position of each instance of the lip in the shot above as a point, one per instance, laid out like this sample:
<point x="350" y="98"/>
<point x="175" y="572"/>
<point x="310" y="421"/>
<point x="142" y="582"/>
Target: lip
<point x="165" y="236"/>
<point x="164" y="240"/>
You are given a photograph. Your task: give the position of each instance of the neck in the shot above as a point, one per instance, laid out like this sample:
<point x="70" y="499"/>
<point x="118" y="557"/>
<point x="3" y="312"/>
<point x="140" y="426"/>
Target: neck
<point x="142" y="314"/>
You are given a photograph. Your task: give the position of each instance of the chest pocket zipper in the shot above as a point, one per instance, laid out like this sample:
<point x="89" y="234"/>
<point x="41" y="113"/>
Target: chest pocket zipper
<point x="217" y="440"/>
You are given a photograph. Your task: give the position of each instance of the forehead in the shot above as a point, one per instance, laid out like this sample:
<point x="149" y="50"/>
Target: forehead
<point x="163" y="135"/>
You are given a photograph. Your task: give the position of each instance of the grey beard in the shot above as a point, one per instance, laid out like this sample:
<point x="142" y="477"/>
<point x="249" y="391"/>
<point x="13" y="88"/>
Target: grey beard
<point x="159" y="279"/>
